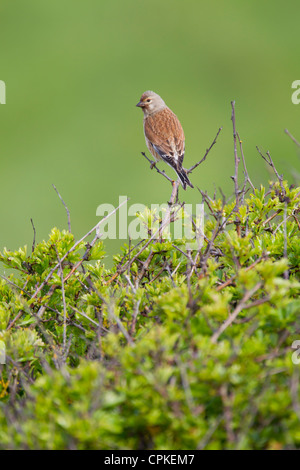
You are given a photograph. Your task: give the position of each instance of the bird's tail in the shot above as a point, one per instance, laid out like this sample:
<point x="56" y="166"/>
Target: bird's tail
<point x="184" y="179"/>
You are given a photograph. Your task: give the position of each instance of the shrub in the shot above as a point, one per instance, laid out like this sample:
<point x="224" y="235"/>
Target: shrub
<point x="169" y="349"/>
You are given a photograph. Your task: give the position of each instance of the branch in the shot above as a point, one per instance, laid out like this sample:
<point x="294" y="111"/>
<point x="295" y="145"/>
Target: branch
<point x="164" y="223"/>
<point x="228" y="414"/>
<point x="88" y="318"/>
<point x="270" y="162"/>
<point x="63" y="300"/>
<point x="96" y="227"/>
<point x="206" y="153"/>
<point x="236" y="166"/>
<point x="34" y="233"/>
<point x="235" y="313"/>
<point x="244" y="163"/>
<point x="65" y="206"/>
<point x="232" y="279"/>
<point x="153" y="165"/>
<point x="292" y="137"/>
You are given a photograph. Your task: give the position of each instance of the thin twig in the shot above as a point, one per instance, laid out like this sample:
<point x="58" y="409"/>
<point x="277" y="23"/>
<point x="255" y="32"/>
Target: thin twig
<point x="96" y="227"/>
<point x="294" y="390"/>
<point x="153" y="165"/>
<point x="206" y="153"/>
<point x="244" y="163"/>
<point x="34" y="234"/>
<point x="63" y="300"/>
<point x="231" y="280"/>
<point x="271" y="217"/>
<point x="65" y="206"/>
<point x="88" y="318"/>
<point x="286" y="272"/>
<point x="292" y="137"/>
<point x="236" y="168"/>
<point x="270" y="162"/>
<point x="235" y="313"/>
<point x="211" y="430"/>
<point x="154" y="236"/>
<point x="135" y="316"/>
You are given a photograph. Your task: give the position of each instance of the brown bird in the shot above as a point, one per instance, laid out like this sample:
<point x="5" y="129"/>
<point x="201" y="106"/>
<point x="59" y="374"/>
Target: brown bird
<point x="164" y="134"/>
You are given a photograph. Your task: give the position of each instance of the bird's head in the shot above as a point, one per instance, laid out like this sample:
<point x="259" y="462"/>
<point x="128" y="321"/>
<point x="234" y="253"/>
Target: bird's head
<point x="151" y="103"/>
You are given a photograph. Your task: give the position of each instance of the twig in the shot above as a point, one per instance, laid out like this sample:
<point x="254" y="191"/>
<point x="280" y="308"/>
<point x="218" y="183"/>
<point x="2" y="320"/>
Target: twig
<point x="23" y="291"/>
<point x="235" y="313"/>
<point x="63" y="300"/>
<point x="206" y="153"/>
<point x="185" y="384"/>
<point x="88" y="318"/>
<point x="154" y="236"/>
<point x="173" y="198"/>
<point x="96" y="227"/>
<point x="294" y="392"/>
<point x="231" y="280"/>
<point x="144" y="268"/>
<point x="297" y="221"/>
<point x="11" y="324"/>
<point x="292" y="137"/>
<point x="162" y="270"/>
<point x="65" y="206"/>
<point x="286" y="272"/>
<point x="253" y="304"/>
<point x="218" y="228"/>
<point x="127" y="277"/>
<point x="135" y="315"/>
<point x="153" y="165"/>
<point x="211" y="430"/>
<point x="270" y="162"/>
<point x="228" y="415"/>
<point x="13" y="284"/>
<point x="271" y="217"/>
<point x="244" y="163"/>
<point x="120" y="325"/>
<point x="84" y="257"/>
<point x="236" y="168"/>
<point x="34" y="233"/>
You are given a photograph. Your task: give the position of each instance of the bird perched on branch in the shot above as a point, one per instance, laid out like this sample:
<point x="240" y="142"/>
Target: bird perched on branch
<point x="164" y="134"/>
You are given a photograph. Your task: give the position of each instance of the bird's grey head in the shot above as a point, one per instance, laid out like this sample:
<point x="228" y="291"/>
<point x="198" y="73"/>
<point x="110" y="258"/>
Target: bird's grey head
<point x="151" y="103"/>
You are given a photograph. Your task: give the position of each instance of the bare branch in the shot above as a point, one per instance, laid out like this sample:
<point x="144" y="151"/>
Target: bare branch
<point x="244" y="163"/>
<point x="153" y="165"/>
<point x="292" y="137"/>
<point x="236" y="167"/>
<point x="96" y="227"/>
<point x="34" y="234"/>
<point x="206" y="153"/>
<point x="270" y="162"/>
<point x="286" y="272"/>
<point x="63" y="300"/>
<point x="65" y="206"/>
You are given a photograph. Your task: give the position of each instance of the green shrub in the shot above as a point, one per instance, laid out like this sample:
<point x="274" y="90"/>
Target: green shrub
<point x="167" y="350"/>
<point x="172" y="348"/>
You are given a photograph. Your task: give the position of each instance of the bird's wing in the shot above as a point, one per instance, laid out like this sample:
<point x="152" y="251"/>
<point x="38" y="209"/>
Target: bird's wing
<point x="166" y="135"/>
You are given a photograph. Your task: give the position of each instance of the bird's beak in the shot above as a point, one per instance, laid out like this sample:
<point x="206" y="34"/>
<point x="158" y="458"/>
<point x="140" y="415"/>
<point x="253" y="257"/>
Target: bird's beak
<point x="140" y="104"/>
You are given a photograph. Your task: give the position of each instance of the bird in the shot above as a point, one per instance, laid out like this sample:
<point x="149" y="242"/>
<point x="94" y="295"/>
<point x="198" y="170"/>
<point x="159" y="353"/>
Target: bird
<point x="164" y="134"/>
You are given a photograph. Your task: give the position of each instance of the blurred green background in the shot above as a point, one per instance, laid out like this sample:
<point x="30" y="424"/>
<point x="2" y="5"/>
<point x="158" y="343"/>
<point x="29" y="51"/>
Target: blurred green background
<point x="74" y="71"/>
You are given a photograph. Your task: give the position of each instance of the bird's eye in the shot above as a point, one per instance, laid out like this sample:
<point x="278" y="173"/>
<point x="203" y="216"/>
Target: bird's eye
<point x="148" y="100"/>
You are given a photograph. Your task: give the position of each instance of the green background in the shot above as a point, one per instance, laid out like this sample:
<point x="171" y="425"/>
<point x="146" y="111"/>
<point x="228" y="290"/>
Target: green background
<point x="74" y="71"/>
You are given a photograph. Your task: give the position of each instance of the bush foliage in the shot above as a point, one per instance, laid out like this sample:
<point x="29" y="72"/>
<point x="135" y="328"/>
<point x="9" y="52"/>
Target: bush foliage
<point x="169" y="349"/>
